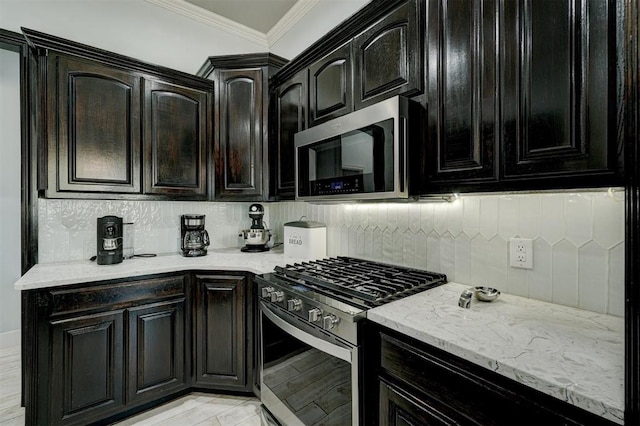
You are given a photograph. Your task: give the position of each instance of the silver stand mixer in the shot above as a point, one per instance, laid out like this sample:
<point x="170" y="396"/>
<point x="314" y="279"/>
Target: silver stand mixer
<point x="256" y="237"/>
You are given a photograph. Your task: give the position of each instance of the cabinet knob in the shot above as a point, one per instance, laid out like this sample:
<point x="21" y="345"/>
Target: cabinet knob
<point x="277" y="296"/>
<point x="314" y="314"/>
<point x="329" y="321"/>
<point x="294" y="305"/>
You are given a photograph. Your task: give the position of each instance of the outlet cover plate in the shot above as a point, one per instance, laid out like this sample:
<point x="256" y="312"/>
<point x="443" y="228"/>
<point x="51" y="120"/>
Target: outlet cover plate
<point x="521" y="253"/>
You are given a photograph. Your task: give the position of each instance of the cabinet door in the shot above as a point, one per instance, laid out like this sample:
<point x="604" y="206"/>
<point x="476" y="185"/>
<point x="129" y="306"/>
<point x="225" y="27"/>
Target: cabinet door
<point x="175" y="140"/>
<point x="389" y="56"/>
<point x="87" y="378"/>
<point x="220" y="335"/>
<point x="399" y="408"/>
<point x="331" y="86"/>
<point x="558" y="85"/>
<point x="156" y="351"/>
<point x="238" y="145"/>
<point x="290" y="117"/>
<point x="94" y="127"/>
<point x="462" y="91"/>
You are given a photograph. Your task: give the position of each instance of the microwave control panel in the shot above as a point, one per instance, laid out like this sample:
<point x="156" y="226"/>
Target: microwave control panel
<point x="342" y="185"/>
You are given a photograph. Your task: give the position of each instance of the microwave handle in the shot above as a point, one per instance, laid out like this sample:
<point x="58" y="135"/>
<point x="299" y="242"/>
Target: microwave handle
<point x="402" y="155"/>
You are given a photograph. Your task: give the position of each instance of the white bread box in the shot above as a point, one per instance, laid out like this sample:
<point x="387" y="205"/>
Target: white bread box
<point x="305" y="240"/>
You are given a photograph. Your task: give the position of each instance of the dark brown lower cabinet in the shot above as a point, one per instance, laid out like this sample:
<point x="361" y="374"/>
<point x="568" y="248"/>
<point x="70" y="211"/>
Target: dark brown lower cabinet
<point x="421" y="385"/>
<point x="97" y="352"/>
<point x="219" y="337"/>
<point x="87" y="374"/>
<point x="399" y="408"/>
<point x="156" y="350"/>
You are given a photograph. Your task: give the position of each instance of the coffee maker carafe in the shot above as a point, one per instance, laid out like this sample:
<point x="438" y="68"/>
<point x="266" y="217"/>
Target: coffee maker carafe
<point x="194" y="238"/>
<point x="109" y="240"/>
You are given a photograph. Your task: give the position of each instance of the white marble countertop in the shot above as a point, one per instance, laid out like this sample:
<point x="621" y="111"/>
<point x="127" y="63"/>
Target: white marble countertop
<point x="571" y="354"/>
<point x="65" y="273"/>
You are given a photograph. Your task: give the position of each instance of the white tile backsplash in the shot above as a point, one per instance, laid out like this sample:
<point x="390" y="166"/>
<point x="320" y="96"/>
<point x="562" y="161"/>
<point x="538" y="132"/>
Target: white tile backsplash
<point x="67" y="228"/>
<point x="578" y="237"/>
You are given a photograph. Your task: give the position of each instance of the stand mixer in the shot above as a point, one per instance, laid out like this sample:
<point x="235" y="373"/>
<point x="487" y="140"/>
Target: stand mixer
<point x="256" y="237"/>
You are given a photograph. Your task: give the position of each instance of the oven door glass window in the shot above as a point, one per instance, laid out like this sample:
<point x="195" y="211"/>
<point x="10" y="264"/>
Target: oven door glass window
<point x="302" y="384"/>
<point x="360" y="161"/>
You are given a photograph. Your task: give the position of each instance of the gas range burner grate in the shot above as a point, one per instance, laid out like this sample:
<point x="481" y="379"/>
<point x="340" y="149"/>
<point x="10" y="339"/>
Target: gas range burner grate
<point x="371" y="282"/>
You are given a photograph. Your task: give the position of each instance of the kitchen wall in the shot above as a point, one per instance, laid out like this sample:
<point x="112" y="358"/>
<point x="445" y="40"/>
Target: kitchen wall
<point x="10" y="216"/>
<point x="318" y="21"/>
<point x="134" y="28"/>
<point x="578" y="241"/>
<point x="578" y="237"/>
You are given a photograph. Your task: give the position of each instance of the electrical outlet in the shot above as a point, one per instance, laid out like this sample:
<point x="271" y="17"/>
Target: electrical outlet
<point x="521" y="253"/>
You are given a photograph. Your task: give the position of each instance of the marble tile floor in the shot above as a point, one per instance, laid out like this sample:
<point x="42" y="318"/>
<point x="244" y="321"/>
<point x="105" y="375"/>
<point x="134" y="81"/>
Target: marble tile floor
<point x="193" y="409"/>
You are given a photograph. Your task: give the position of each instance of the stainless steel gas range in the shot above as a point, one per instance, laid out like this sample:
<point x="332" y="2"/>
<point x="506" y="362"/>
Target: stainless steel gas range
<point x="309" y="349"/>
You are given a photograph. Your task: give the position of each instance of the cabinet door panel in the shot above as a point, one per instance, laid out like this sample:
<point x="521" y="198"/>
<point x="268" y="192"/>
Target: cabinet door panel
<point x="96" y="138"/>
<point x="331" y="93"/>
<point x="557" y="87"/>
<point x="239" y="143"/>
<point x="156" y="350"/>
<point x="88" y="353"/>
<point x="398" y="408"/>
<point x="291" y="117"/>
<point x="175" y="140"/>
<point x="220" y="331"/>
<point x="462" y="91"/>
<point x="388" y="57"/>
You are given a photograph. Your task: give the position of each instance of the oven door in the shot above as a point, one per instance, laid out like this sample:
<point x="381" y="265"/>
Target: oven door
<point x="307" y="376"/>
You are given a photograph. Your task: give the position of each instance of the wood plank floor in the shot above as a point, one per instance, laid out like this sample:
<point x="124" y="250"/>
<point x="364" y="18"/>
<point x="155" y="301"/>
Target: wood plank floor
<point x="193" y="409"/>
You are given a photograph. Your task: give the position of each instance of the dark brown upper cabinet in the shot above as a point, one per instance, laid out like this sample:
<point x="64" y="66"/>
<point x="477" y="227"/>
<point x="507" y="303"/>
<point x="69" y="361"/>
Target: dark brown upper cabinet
<point x="330" y="86"/>
<point x="108" y="126"/>
<point x="175" y="140"/>
<point x="290" y="102"/>
<point x="93" y="128"/>
<point x="241" y="123"/>
<point x="388" y="56"/>
<point x="521" y="95"/>
<point x="462" y="93"/>
<point x="558" y="90"/>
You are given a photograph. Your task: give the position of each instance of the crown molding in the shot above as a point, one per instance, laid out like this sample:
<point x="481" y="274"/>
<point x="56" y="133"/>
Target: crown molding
<point x="203" y="16"/>
<point x="297" y="12"/>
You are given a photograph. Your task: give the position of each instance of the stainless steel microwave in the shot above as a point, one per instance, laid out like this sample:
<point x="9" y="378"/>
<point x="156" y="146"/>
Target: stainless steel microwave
<point x="368" y="154"/>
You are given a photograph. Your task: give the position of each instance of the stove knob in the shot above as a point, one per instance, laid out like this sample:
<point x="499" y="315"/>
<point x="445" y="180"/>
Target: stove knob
<point x="315" y="314"/>
<point x="266" y="292"/>
<point x="294" y="305"/>
<point x="277" y="296"/>
<point x="329" y="321"/>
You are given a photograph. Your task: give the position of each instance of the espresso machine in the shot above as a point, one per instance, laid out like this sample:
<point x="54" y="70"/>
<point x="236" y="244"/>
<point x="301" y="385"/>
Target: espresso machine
<point x="256" y="237"/>
<point x="194" y="238"/>
<point x="109" y="240"/>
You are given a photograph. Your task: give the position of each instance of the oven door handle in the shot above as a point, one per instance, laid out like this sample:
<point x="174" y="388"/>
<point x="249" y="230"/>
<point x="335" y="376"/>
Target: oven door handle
<point x="313" y="341"/>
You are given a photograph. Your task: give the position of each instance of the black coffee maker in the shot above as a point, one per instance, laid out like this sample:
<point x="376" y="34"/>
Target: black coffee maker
<point x="109" y="240"/>
<point x="194" y="238"/>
